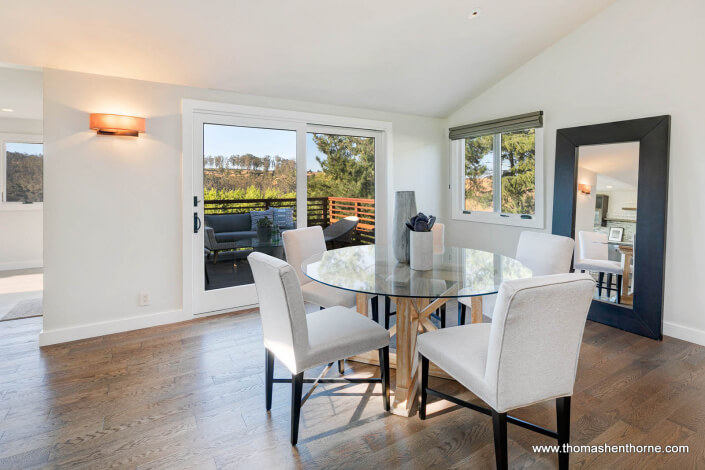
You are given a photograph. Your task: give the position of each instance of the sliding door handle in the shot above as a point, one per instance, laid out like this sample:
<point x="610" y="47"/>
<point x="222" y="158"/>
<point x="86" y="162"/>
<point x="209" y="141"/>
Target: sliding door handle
<point x="196" y="223"/>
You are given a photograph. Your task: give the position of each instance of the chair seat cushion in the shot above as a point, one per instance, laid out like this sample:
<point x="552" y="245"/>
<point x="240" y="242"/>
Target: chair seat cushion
<point x="605" y="266"/>
<point x="224" y="237"/>
<point x="327" y="296"/>
<point x="339" y="332"/>
<point x="461" y="352"/>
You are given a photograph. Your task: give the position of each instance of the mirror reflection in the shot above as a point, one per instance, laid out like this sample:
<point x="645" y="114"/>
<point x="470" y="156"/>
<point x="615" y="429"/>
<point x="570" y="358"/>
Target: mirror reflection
<point x="606" y="218"/>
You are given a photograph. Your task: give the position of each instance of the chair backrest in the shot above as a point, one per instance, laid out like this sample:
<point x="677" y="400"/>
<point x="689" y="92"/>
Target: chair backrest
<point x="439" y="231"/>
<point x="592" y="245"/>
<point x="281" y="307"/>
<point x="342" y="230"/>
<point x="537" y="328"/>
<point x="301" y="244"/>
<point x="544" y="253"/>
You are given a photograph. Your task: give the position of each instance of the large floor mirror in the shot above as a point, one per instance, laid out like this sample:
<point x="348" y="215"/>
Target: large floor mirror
<point x="610" y="195"/>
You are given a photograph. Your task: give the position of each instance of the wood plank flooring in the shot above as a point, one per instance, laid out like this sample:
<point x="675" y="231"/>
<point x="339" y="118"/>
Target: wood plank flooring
<point x="191" y="395"/>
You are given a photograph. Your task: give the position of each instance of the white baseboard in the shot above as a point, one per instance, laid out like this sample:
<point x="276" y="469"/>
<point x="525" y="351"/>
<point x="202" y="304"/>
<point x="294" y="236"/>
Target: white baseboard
<point x="686" y="333"/>
<point x="91" y="330"/>
<point x="21" y="265"/>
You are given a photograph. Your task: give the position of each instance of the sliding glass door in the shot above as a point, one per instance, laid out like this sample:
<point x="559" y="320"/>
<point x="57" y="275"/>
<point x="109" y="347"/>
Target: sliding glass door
<point x="254" y="179"/>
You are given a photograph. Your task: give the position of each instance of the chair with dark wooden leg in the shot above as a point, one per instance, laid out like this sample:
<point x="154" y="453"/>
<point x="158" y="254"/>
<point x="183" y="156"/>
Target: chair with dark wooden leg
<point x="528" y="354"/>
<point x="592" y="255"/>
<point x="302" y="342"/>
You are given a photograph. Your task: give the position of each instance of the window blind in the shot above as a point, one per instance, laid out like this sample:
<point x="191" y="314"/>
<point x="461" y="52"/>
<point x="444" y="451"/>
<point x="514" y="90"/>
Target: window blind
<point x="508" y="124"/>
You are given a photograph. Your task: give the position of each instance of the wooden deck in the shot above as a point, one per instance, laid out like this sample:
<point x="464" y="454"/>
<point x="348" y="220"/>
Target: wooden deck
<point x="191" y="395"/>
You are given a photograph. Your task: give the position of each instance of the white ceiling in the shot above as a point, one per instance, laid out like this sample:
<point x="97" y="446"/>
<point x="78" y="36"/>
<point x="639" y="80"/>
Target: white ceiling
<point x="21" y="91"/>
<point x="412" y="56"/>
<point x="616" y="165"/>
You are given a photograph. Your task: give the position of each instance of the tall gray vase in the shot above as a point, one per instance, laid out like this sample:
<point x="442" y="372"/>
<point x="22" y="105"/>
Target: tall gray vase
<point x="404" y="209"/>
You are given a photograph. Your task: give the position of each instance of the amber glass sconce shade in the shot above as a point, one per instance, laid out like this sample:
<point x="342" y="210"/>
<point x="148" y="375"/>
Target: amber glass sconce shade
<point x="116" y="124"/>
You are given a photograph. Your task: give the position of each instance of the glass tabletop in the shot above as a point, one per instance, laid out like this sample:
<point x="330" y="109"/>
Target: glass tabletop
<point x="372" y="269"/>
<point x="254" y="242"/>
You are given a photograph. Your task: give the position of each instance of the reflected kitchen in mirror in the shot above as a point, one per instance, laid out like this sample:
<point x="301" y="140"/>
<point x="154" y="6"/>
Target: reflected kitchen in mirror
<point x="606" y="218"/>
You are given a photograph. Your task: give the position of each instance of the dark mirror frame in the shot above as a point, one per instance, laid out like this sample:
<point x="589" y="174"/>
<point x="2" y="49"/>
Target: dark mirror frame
<point x="646" y="315"/>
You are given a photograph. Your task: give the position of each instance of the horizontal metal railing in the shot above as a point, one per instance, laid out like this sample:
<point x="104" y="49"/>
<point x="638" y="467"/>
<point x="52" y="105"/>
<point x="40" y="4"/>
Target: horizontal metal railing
<point x="321" y="211"/>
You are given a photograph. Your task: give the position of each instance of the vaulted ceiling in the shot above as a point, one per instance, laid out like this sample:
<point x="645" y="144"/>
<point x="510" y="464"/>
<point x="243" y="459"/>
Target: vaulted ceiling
<point x="413" y="56"/>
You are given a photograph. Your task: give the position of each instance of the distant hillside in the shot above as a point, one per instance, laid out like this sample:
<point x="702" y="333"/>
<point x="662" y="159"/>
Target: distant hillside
<point x="24" y="177"/>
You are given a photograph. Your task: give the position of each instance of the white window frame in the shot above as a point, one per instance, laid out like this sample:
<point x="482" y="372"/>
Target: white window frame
<point x="15" y="139"/>
<point x="457" y="186"/>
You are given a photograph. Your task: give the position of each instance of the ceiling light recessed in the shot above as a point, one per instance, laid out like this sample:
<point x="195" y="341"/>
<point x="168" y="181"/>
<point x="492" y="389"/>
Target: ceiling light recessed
<point x="474" y="14"/>
<point x="8" y="110"/>
<point x="609" y="186"/>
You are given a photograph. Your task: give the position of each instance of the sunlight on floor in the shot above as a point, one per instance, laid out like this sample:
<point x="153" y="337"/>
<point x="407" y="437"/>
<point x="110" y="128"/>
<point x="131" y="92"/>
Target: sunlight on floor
<point x="16" y="286"/>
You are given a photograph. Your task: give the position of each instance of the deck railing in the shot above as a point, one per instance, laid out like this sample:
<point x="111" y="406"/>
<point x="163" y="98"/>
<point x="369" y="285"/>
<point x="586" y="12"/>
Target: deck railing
<point x="321" y="211"/>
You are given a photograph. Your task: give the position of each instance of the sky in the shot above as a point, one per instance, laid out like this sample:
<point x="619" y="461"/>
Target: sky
<point x="30" y="149"/>
<point x="235" y="140"/>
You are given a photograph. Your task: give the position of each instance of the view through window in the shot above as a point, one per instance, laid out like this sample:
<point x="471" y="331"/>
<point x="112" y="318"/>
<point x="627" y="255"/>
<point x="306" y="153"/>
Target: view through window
<point x="249" y="189"/>
<point x="500" y="173"/>
<point x="24" y="163"/>
<point x="341" y="186"/>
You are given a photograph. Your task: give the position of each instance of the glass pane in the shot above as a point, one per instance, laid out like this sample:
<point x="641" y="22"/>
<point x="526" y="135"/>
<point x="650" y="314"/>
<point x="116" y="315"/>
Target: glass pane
<point x="606" y="218"/>
<point x="341" y="187"/>
<point x="249" y="186"/>
<point x="25" y="164"/>
<point x="479" y="160"/>
<point x="518" y="172"/>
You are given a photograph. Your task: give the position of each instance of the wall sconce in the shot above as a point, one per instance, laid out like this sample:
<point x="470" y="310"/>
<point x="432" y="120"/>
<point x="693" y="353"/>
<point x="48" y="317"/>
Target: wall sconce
<point x="584" y="188"/>
<point x="115" y="124"/>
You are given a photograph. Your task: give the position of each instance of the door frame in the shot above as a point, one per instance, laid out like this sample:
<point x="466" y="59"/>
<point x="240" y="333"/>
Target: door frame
<point x="193" y="110"/>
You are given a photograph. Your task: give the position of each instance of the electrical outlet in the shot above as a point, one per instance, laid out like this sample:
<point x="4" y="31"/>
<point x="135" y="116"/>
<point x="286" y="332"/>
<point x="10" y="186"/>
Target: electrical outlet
<point x="144" y="299"/>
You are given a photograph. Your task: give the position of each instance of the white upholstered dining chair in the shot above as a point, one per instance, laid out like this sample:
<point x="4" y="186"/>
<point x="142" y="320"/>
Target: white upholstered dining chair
<point x="528" y="354"/>
<point x="592" y="255"/>
<point x="543" y="253"/>
<point x="301" y="244"/>
<point x="302" y="341"/>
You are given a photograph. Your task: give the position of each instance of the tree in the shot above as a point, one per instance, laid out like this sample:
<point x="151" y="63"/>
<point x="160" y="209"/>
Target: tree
<point x="348" y="167"/>
<point x="478" y="173"/>
<point x="519" y="172"/>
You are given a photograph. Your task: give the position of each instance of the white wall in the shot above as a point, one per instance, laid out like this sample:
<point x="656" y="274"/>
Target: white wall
<point x="113" y="205"/>
<point x="20" y="225"/>
<point x="635" y="59"/>
<point x="618" y="200"/>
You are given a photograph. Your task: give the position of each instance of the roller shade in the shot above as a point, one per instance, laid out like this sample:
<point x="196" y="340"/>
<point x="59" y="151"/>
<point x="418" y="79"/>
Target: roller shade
<point x="513" y="123"/>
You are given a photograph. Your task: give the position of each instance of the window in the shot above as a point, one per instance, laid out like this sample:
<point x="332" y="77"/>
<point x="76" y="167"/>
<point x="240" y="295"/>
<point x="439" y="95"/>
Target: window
<point x="497" y="175"/>
<point x="23" y="164"/>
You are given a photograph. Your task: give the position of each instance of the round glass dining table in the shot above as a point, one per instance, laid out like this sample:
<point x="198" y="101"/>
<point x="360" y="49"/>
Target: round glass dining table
<point x="372" y="270"/>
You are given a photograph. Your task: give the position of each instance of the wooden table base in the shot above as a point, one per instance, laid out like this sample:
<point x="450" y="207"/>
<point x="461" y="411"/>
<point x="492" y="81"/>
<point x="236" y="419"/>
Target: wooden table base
<point x="413" y="317"/>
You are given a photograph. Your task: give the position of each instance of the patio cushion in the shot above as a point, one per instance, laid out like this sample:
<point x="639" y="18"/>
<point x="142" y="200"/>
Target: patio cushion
<point x="256" y="215"/>
<point x="234" y="236"/>
<point x="283" y="217"/>
<point x="228" y="222"/>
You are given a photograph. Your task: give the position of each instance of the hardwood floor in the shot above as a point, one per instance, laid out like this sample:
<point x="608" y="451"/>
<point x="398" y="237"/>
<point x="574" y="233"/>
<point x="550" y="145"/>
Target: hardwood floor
<point x="191" y="395"/>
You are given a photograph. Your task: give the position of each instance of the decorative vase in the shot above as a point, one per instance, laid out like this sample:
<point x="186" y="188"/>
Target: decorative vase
<point x="404" y="209"/>
<point x="264" y="233"/>
<point x="421" y="247"/>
